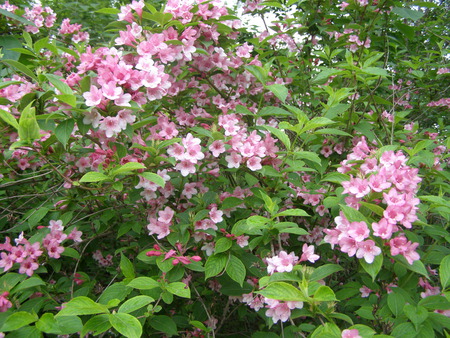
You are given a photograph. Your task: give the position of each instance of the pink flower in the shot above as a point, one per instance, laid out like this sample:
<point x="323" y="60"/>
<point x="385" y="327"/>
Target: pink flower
<point x="350" y="333"/>
<point x="93" y="97"/>
<point x="308" y="254"/>
<point x="254" y="163"/>
<point x="368" y="250"/>
<point x="358" y="231"/>
<point x="365" y="291"/>
<point x="282" y="262"/>
<point x="217" y="148"/>
<point x="234" y="160"/>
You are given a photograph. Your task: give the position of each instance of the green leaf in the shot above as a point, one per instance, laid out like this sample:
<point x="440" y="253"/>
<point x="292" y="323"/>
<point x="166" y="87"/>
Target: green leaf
<point x="37" y="216"/>
<point x="179" y="289"/>
<point x="9" y="280"/>
<point x="416" y="266"/>
<point x="143" y="283"/>
<point x="396" y="302"/>
<point x="374" y="268"/>
<point x="214" y="265"/>
<point x="29" y="129"/>
<point x="71" y="252"/>
<point x="71" y="100"/>
<point x="22" y="68"/>
<point x="135" y="303"/>
<point x="126" y="168"/>
<point x="331" y="131"/>
<point x="9" y="118"/>
<point x="353" y="215"/>
<point x="96" y="325"/>
<point x="295" y="231"/>
<point x="60" y="325"/>
<point x="126" y="324"/>
<point x="236" y="269"/>
<point x="292" y="212"/>
<point x="324" y="271"/>
<point x="82" y="306"/>
<point x="113" y="11"/>
<point x="282" y="291"/>
<point x="435" y="303"/>
<point x="222" y="245"/>
<point x="29" y="283"/>
<point x="92" y="177"/>
<point x="335" y="178"/>
<point x="444" y="272"/>
<point x="164" y="324"/>
<point x="281" y="135"/>
<point x="324" y="294"/>
<point x="308" y="155"/>
<point x="279" y="90"/>
<point x="316" y="123"/>
<point x="126" y="266"/>
<point x="325" y="74"/>
<point x="259" y="72"/>
<point x="59" y="84"/>
<point x="407" y="13"/>
<point x="16" y="17"/>
<point x="64" y="130"/>
<point x="231" y="202"/>
<point x="155" y="178"/>
<point x="18" y="320"/>
<point x="375" y="71"/>
<point x="417" y="315"/>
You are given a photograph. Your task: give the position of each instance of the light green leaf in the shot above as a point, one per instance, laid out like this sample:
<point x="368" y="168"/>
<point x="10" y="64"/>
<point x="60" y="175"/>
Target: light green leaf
<point x="59" y="84"/>
<point x="179" y="289"/>
<point x="21" y="67"/>
<point x="292" y="212"/>
<point x="29" y="283"/>
<point x="135" y="303"/>
<point x="82" y="306"/>
<point x="281" y="135"/>
<point x="92" y="177"/>
<point x="126" y="266"/>
<point x="444" y="272"/>
<point x="9" y="118"/>
<point x="126" y="324"/>
<point x="407" y="13"/>
<point x="280" y="91"/>
<point x="96" y="325"/>
<point x="144" y="283"/>
<point x="324" y="294"/>
<point x="155" y="178"/>
<point x="126" y="168"/>
<point x="282" y="291"/>
<point x="29" y="129"/>
<point x="18" y="320"/>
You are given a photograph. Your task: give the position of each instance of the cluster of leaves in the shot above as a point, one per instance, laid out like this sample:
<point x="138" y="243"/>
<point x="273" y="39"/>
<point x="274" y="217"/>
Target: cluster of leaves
<point x="194" y="162"/>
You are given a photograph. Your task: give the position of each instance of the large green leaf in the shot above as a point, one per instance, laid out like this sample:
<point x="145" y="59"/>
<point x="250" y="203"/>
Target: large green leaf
<point x="82" y="306"/>
<point x="126" y="324"/>
<point x="282" y="291"/>
<point x="236" y="269"/>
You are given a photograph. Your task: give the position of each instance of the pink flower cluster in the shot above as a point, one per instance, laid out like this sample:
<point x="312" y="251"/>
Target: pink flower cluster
<point x="102" y="261"/>
<point x="277" y="310"/>
<point x="395" y="183"/>
<point x="73" y="29"/>
<point x="284" y="262"/>
<point x="27" y="254"/>
<point x="178" y="257"/>
<point x="160" y="226"/>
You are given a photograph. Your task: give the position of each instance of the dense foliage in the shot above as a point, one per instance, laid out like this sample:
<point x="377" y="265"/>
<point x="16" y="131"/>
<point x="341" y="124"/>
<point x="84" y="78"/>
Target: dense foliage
<point x="192" y="178"/>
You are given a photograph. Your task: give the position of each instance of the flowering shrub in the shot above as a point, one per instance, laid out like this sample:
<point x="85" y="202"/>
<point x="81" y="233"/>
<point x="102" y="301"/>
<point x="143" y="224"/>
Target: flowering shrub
<point x="192" y="175"/>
